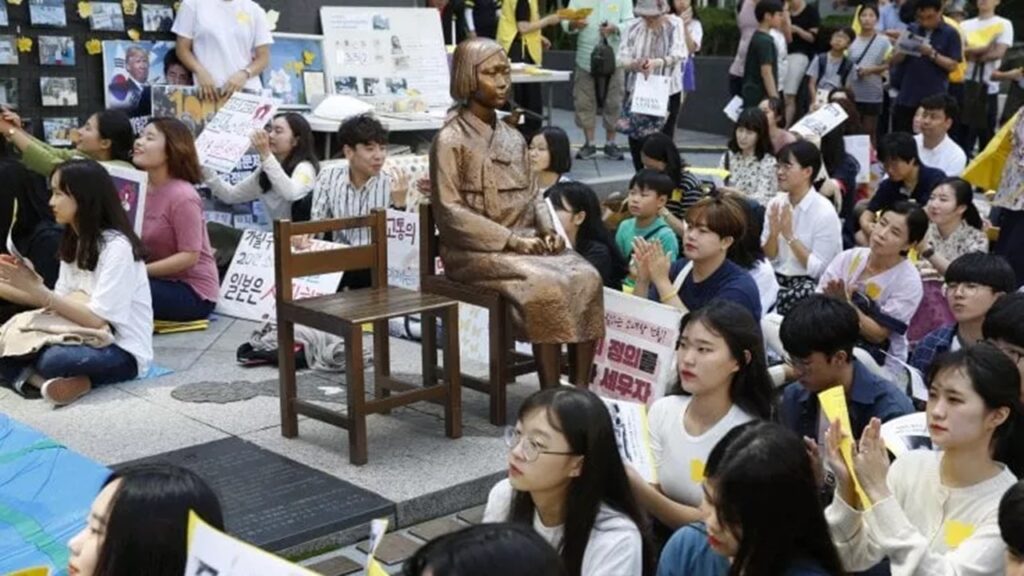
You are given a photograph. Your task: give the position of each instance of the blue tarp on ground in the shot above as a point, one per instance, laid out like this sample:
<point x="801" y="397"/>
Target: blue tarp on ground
<point x="45" y="494"/>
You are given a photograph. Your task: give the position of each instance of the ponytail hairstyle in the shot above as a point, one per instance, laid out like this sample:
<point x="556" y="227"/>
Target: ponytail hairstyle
<point x="114" y="125"/>
<point x="996" y="379"/>
<point x="302" y="152"/>
<point x="964" y="194"/>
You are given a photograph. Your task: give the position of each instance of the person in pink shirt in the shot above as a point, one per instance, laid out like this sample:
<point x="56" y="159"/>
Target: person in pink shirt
<point x="182" y="273"/>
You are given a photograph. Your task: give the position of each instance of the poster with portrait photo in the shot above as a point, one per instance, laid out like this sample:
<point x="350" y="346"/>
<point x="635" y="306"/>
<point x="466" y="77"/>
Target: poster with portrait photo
<point x="8" y="50"/>
<point x="131" y="191"/>
<point x="47" y="13"/>
<point x="59" y="131"/>
<point x="56" y="51"/>
<point x="4" y="21"/>
<point x="347" y="85"/>
<point x="107" y="17"/>
<point x="9" y="92"/>
<point x="129" y="69"/>
<point x="58" y="91"/>
<point x="157" y="18"/>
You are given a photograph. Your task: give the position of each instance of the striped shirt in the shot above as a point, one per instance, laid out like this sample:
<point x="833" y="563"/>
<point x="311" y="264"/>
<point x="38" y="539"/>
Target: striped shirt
<point x="336" y="197"/>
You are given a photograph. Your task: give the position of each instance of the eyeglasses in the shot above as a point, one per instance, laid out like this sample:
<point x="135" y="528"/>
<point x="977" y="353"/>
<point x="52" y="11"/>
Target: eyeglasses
<point x="968" y="288"/>
<point x="531" y="451"/>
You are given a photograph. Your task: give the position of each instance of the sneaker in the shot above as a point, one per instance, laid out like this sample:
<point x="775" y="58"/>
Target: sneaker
<point x="612" y="151"/>
<point x="587" y="152"/>
<point x="64" y="391"/>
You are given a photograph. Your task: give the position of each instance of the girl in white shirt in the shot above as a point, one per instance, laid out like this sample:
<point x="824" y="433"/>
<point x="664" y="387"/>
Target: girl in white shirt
<point x="288" y="172"/>
<point x="566" y="479"/>
<point x="723" y="382"/>
<point x="102" y="284"/>
<point x="935" y="512"/>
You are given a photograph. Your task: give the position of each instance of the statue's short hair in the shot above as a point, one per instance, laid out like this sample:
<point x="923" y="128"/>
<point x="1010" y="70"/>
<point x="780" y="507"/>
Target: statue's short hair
<point x="468" y="56"/>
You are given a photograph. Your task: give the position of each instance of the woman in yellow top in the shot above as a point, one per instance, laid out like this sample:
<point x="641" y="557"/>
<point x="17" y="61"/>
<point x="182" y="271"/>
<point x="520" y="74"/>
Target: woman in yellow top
<point x="519" y="33"/>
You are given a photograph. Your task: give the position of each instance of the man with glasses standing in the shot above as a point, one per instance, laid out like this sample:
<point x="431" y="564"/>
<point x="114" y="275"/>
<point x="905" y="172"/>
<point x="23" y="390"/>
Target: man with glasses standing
<point x="975" y="284"/>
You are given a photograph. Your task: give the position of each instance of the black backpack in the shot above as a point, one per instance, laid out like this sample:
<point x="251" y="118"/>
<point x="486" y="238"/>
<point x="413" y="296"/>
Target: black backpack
<point x="845" y="67"/>
<point x="602" y="60"/>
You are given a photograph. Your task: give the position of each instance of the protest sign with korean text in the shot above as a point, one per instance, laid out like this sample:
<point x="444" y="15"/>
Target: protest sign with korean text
<point x="226" y="138"/>
<point x="403" y="249"/>
<point x="633" y="436"/>
<point x="634" y="361"/>
<point x="248" y="289"/>
<point x="820" y="122"/>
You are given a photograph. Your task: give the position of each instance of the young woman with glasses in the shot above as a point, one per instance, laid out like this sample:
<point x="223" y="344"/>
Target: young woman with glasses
<point x="723" y="383"/>
<point x="566" y="479"/>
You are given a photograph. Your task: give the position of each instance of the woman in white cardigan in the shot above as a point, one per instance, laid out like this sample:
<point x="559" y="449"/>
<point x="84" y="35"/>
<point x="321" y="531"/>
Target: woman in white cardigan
<point x="936" y="512"/>
<point x="287" y="175"/>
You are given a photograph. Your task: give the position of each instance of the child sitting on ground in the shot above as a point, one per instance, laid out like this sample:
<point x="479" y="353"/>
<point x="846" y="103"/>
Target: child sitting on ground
<point x="649" y="191"/>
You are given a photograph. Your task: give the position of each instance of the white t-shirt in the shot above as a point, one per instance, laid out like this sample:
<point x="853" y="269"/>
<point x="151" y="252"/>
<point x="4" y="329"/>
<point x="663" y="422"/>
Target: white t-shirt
<point x="118" y="291"/>
<point x="948" y="156"/>
<point x="816" y="224"/>
<point x="224" y="34"/>
<point x="614" y="548"/>
<point x="767" y="284"/>
<point x="680" y="457"/>
<point x="998" y="28"/>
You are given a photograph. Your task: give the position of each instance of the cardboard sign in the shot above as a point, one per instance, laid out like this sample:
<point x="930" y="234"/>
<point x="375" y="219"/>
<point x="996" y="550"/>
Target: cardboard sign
<point x="226" y="138"/>
<point x="214" y="553"/>
<point x="248" y="291"/>
<point x="131" y="188"/>
<point x="634" y="361"/>
<point x="859" y="147"/>
<point x="650" y="95"/>
<point x="633" y="436"/>
<point x="820" y="122"/>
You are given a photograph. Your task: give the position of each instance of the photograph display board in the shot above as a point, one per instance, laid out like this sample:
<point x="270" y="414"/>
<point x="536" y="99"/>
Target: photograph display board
<point x="292" y="58"/>
<point x="393" y="58"/>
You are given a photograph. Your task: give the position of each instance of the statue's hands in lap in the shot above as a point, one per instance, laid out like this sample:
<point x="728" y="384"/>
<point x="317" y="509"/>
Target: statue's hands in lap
<point x="521" y="245"/>
<point x="554" y="243"/>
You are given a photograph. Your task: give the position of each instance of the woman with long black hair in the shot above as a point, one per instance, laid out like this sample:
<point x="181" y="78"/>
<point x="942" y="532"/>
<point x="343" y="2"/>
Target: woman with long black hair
<point x="106" y="137"/>
<point x="579" y="213"/>
<point x="288" y="173"/>
<point x="567" y="480"/>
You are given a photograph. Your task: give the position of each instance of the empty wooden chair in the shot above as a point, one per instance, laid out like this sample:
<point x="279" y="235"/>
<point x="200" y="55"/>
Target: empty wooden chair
<point x="344" y="314"/>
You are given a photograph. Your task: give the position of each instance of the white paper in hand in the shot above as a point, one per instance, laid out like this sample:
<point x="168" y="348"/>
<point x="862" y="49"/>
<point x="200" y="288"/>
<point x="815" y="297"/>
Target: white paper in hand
<point x="907" y="433"/>
<point x="650" y="95"/>
<point x="633" y="436"/>
<point x="733" y="108"/>
<point x="820" y="122"/>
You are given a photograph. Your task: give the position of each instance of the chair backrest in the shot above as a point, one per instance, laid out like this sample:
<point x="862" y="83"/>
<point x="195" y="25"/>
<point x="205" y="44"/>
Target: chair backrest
<point x="428" y="240"/>
<point x="289" y="265"/>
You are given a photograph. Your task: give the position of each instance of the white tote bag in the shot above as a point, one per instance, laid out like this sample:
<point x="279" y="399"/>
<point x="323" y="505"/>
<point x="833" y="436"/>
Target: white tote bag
<point x="650" y="95"/>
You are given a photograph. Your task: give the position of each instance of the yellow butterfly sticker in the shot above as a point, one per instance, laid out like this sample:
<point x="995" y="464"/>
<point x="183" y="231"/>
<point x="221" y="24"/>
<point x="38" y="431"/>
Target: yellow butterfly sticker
<point x="84" y="9"/>
<point x="93" y="46"/>
<point x="24" y="44"/>
<point x="14" y="2"/>
<point x="130" y="7"/>
<point x="696" y="471"/>
<point x="134" y="34"/>
<point x="956" y="532"/>
<point x="242" y="17"/>
<point x="176" y="6"/>
<point x="308" y="57"/>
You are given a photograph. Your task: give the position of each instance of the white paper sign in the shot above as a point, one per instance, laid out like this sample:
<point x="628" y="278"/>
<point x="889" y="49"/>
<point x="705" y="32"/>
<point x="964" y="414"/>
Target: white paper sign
<point x="633" y="436"/>
<point x="404" y="249"/>
<point x="650" y="95"/>
<point x="225" y="139"/>
<point x="214" y="553"/>
<point x="910" y="43"/>
<point x="859" y="146"/>
<point x="820" y="122"/>
<point x="733" y="108"/>
<point x="557" y="222"/>
<point x="634" y="360"/>
<point x="248" y="291"/>
<point x="907" y="433"/>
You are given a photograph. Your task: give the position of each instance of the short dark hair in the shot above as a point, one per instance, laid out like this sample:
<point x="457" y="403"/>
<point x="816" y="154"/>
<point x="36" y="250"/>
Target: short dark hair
<point x="171" y="59"/>
<point x="648" y="179"/>
<point x="925" y="4"/>
<point x="362" y="129"/>
<point x="870" y="6"/>
<point x="766" y="8"/>
<point x="917" y="219"/>
<point x="898" y="146"/>
<point x="755" y="120"/>
<point x="804" y="154"/>
<point x="506" y="549"/>
<point x="558" y="149"/>
<point x="1005" y="319"/>
<point x="147" y="525"/>
<point x="820" y="323"/>
<point x="846" y="31"/>
<point x="724" y="215"/>
<point x="989" y="270"/>
<point x="1011" y="520"/>
<point x="943" y="102"/>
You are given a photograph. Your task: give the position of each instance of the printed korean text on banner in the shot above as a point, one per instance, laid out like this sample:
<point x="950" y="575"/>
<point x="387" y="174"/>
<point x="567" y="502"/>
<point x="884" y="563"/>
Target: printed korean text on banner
<point x="634" y="361"/>
<point x="226" y="138"/>
<point x="633" y="436"/>
<point x="820" y="122"/>
<point x="214" y="553"/>
<point x="248" y="290"/>
<point x="131" y="191"/>
<point x="650" y="95"/>
<point x="404" y="249"/>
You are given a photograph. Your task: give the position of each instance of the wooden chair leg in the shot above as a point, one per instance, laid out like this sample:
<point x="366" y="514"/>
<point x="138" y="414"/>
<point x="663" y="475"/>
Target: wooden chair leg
<point x="499" y="373"/>
<point x="453" y="375"/>
<point x="356" y="395"/>
<point x="286" y="374"/>
<point x="428" y="339"/>
<point x="381" y="360"/>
